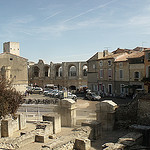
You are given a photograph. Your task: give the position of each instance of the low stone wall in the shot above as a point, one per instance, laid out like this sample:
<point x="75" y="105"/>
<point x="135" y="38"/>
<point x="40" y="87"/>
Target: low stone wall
<point x="127" y="142"/>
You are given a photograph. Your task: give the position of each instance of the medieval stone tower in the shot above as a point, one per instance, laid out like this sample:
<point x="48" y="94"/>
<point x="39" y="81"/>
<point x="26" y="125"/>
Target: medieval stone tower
<point x="11" y="47"/>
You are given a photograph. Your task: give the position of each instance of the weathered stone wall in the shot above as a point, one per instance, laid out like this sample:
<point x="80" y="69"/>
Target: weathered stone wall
<point x="9" y="125"/>
<point x="67" y="110"/>
<point x="126" y="115"/>
<point x="130" y="141"/>
<point x="79" y="138"/>
<point x="56" y="120"/>
<point x="144" y="111"/>
<point x="105" y="112"/>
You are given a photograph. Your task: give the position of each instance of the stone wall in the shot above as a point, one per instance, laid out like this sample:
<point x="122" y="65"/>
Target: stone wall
<point x="9" y="125"/>
<point x="105" y="112"/>
<point x="132" y="140"/>
<point x="143" y="110"/>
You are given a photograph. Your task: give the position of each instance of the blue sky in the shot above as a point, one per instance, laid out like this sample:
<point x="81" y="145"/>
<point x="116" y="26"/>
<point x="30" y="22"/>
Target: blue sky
<point x="73" y="30"/>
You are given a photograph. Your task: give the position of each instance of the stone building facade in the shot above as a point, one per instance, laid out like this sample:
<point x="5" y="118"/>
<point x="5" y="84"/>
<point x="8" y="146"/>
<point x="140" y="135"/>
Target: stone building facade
<point x="118" y="73"/>
<point x="72" y="75"/>
<point x="14" y="67"/>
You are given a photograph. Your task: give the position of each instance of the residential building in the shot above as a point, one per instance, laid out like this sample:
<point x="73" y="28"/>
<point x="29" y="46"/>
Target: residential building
<point x="93" y="70"/>
<point x="146" y="78"/>
<point x="118" y="73"/>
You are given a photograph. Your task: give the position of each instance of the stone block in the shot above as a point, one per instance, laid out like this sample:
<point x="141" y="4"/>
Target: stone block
<point x="46" y="126"/>
<point x="113" y="146"/>
<point x="41" y="138"/>
<point x="105" y="114"/>
<point x="56" y="120"/>
<point x="96" y="129"/>
<point x="67" y="110"/>
<point x="82" y="144"/>
<point x="130" y="139"/>
<point x="22" y="121"/>
<point x="145" y="130"/>
<point x="6" y="128"/>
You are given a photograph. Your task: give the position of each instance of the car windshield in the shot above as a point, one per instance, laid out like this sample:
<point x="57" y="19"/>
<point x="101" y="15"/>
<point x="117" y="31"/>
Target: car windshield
<point x="93" y="94"/>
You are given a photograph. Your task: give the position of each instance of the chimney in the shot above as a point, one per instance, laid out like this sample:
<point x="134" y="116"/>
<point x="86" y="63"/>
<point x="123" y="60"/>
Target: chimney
<point x="105" y="53"/>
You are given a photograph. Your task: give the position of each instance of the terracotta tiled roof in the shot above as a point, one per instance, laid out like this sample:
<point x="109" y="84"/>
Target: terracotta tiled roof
<point x="122" y="57"/>
<point x="111" y="56"/>
<point x="136" y="55"/>
<point x="147" y="49"/>
<point x="119" y="50"/>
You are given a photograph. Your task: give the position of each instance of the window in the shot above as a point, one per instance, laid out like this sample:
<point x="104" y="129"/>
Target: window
<point x="121" y="64"/>
<point x="121" y="74"/>
<point x="110" y="88"/>
<point x="59" y="71"/>
<point x="101" y="63"/>
<point x="93" y="66"/>
<point x="148" y="56"/>
<point x="36" y="71"/>
<point x="136" y="75"/>
<point x="85" y="69"/>
<point x="46" y="71"/>
<point x="72" y="71"/>
<point x="109" y="62"/>
<point x="147" y="71"/>
<point x="122" y="91"/>
<point x="109" y="73"/>
<point x="101" y="73"/>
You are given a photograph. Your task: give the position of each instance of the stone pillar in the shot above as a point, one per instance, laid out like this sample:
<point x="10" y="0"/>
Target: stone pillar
<point x="105" y="114"/>
<point x="22" y="121"/>
<point x="67" y="110"/>
<point x="56" y="120"/>
<point x="6" y="128"/>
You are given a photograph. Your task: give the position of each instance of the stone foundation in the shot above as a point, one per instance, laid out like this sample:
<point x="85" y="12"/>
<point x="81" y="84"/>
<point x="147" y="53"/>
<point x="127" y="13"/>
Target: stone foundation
<point x="56" y="120"/>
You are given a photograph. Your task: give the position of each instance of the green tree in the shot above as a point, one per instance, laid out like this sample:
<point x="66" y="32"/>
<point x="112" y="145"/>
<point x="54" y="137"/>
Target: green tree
<point x="10" y="99"/>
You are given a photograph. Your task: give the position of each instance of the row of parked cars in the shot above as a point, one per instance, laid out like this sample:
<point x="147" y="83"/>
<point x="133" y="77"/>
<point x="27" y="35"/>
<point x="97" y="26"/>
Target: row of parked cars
<point x="59" y="94"/>
<point x="55" y="93"/>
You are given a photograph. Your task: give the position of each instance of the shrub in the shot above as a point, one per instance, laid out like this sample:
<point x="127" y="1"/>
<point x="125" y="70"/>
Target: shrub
<point x="10" y="99"/>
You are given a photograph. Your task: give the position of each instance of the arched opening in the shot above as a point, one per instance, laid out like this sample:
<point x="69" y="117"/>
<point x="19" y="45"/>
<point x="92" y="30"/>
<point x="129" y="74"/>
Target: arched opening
<point x="85" y="69"/>
<point x="59" y="71"/>
<point x="46" y="68"/>
<point x="36" y="71"/>
<point x="72" y="71"/>
<point x="72" y="87"/>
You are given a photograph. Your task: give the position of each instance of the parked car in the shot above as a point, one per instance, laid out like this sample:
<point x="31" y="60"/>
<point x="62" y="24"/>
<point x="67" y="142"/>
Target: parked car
<point x="93" y="96"/>
<point x="46" y="92"/>
<point x="37" y="90"/>
<point x="52" y="93"/>
<point x="72" y="96"/>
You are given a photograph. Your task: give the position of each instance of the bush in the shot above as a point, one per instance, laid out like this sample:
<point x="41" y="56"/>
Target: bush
<point x="10" y="99"/>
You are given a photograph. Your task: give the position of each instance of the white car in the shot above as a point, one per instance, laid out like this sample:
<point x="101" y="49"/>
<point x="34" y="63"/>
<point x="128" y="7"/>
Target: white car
<point x="72" y="96"/>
